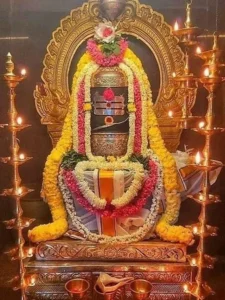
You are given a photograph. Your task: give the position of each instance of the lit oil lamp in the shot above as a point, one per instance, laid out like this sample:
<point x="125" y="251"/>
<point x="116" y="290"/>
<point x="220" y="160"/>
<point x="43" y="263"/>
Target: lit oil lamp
<point x="176" y="26"/>
<point x="23" y="72"/>
<point x="206" y="72"/>
<point x="32" y="281"/>
<point x="19" y="120"/>
<point x="170" y="114"/>
<point x="193" y="262"/>
<point x="19" y="191"/>
<point x="198" y="158"/>
<point x="30" y="252"/>
<point x="198" y="50"/>
<point x="201" y="124"/>
<point x="185" y="288"/>
<point x="21" y="156"/>
<point x="195" y="230"/>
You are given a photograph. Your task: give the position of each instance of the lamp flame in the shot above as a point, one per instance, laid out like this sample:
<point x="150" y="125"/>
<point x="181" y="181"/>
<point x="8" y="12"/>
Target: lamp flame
<point x="198" y="50"/>
<point x="198" y="158"/>
<point x="174" y="74"/>
<point x="23" y="72"/>
<point x="30" y="252"/>
<point x="170" y="114"/>
<point x="19" y="191"/>
<point x="176" y="26"/>
<point x="201" y="124"/>
<point x="185" y="287"/>
<point x="19" y="120"/>
<point x="206" y="72"/>
<point x="195" y="230"/>
<point x="32" y="281"/>
<point x="193" y="262"/>
<point x="21" y="156"/>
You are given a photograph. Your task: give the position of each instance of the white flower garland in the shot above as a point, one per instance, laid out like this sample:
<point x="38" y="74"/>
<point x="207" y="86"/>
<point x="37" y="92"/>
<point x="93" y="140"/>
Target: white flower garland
<point x="92" y="69"/>
<point x="134" y="237"/>
<point x="75" y="105"/>
<point x="99" y="203"/>
<point x="130" y="143"/>
<point x="144" y="99"/>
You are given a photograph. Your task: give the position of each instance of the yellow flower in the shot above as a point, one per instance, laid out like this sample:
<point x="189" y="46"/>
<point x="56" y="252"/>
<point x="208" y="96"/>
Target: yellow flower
<point x="51" y="190"/>
<point x="111" y="158"/>
<point x="164" y="227"/>
<point x="131" y="107"/>
<point x="87" y="107"/>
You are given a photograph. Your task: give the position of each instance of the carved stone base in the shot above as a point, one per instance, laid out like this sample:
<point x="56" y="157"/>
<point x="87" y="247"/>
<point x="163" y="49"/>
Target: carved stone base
<point x="72" y="250"/>
<point x="167" y="278"/>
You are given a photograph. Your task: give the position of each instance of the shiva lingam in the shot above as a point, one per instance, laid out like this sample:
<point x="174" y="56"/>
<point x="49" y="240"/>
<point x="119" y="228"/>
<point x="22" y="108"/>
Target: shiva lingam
<point x="17" y="192"/>
<point x="140" y="289"/>
<point x="211" y="81"/>
<point x="106" y="286"/>
<point x="188" y="83"/>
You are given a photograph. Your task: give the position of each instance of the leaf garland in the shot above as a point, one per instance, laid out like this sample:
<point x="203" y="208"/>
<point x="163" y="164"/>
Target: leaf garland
<point x="110" y="48"/>
<point x="71" y="158"/>
<point x="141" y="159"/>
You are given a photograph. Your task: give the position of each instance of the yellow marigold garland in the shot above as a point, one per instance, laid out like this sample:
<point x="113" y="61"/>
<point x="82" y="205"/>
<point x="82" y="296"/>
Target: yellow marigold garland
<point x="164" y="227"/>
<point x="53" y="195"/>
<point x="51" y="190"/>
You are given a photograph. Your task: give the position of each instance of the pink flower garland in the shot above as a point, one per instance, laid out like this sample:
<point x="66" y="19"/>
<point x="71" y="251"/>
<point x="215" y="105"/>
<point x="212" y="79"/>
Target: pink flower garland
<point x="101" y="59"/>
<point x="81" y="118"/>
<point x="138" y="202"/>
<point x="138" y="117"/>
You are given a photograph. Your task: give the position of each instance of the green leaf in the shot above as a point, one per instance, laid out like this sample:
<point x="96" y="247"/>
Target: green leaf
<point x="71" y="158"/>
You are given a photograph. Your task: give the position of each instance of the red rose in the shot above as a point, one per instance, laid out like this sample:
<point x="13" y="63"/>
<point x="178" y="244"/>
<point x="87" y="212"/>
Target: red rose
<point x="108" y="94"/>
<point x="107" y="32"/>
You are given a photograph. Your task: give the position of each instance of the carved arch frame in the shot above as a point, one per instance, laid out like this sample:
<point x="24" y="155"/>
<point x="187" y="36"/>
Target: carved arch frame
<point x="140" y="21"/>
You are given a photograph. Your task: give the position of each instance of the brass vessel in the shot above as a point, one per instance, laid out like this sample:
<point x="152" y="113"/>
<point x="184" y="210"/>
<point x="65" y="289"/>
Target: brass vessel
<point x="77" y="288"/>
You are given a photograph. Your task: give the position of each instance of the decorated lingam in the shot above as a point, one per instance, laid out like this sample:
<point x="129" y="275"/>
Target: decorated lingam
<point x="110" y="168"/>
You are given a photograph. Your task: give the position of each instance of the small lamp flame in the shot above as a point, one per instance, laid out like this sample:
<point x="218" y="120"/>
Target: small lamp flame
<point x="198" y="158"/>
<point x="206" y="72"/>
<point x="195" y="230"/>
<point x="19" y="191"/>
<point x="23" y="72"/>
<point x="19" y="120"/>
<point x="30" y="252"/>
<point x="201" y="125"/>
<point x="176" y="26"/>
<point x="174" y="74"/>
<point x="170" y="113"/>
<point x="185" y="287"/>
<point x="198" y="50"/>
<point x="193" y="262"/>
<point x="32" y="281"/>
<point x="21" y="156"/>
<point x="201" y="197"/>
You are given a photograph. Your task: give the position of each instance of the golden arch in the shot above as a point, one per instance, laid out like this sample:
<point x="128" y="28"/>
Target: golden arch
<point x="138" y="20"/>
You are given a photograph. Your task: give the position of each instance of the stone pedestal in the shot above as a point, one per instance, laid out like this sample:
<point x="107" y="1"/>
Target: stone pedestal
<point x="163" y="264"/>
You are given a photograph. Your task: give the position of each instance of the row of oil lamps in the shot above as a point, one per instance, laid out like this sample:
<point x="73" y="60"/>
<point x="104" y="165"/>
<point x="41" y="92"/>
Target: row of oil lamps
<point x="211" y="80"/>
<point x="19" y="252"/>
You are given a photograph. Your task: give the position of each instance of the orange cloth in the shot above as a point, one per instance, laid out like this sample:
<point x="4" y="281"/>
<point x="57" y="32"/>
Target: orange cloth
<point x="106" y="191"/>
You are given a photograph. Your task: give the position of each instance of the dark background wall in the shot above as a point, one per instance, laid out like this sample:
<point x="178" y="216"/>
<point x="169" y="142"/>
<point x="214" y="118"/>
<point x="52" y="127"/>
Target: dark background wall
<point x="37" y="19"/>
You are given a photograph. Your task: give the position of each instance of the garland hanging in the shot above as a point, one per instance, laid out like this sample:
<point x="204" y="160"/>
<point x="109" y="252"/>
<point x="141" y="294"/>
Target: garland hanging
<point x="77" y="130"/>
